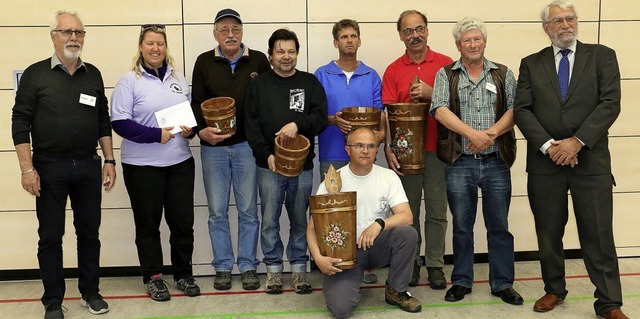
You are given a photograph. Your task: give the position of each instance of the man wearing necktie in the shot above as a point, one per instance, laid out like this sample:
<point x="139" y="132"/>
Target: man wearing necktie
<point x="568" y="96"/>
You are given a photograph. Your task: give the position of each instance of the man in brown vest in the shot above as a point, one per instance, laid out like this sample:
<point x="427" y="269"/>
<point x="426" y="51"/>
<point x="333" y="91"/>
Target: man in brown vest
<point x="473" y="101"/>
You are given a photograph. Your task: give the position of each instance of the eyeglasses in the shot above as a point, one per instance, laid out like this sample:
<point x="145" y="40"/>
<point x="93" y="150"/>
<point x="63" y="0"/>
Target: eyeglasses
<point x="68" y="33"/>
<point x="558" y="21"/>
<point x="419" y="29"/>
<point x="360" y="147"/>
<point x="235" y="30"/>
<point x="153" y="26"/>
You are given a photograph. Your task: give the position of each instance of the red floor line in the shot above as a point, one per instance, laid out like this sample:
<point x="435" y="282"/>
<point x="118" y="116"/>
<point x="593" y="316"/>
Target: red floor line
<point x="228" y="293"/>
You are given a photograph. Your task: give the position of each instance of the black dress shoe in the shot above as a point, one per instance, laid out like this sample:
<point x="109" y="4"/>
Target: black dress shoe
<point x="509" y="295"/>
<point x="436" y="278"/>
<point x="456" y="293"/>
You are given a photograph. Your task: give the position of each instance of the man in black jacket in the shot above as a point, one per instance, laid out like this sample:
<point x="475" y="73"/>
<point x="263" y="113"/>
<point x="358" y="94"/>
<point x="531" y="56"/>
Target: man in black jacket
<point x="283" y="103"/>
<point x="226" y="71"/>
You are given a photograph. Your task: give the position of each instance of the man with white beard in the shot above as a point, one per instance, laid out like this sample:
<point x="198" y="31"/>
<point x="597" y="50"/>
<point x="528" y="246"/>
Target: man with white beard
<point x="61" y="107"/>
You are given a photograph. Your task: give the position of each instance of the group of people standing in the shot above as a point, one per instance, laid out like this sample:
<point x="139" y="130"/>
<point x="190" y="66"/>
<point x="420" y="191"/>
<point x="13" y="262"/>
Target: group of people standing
<point x="566" y="98"/>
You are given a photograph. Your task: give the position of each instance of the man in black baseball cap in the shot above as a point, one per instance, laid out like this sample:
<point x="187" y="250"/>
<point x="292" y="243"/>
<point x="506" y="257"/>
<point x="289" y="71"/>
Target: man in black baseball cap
<point x="226" y="70"/>
<point x="227" y="13"/>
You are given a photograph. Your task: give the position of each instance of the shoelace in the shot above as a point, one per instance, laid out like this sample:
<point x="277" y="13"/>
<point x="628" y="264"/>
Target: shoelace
<point x="189" y="282"/>
<point x="159" y="284"/>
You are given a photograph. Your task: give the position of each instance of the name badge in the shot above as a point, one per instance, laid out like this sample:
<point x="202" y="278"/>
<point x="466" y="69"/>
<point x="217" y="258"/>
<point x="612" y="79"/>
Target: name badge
<point x="491" y="87"/>
<point x="87" y="100"/>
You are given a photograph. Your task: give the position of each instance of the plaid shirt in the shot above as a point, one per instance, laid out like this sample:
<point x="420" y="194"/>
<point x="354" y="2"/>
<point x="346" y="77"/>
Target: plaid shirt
<point x="477" y="101"/>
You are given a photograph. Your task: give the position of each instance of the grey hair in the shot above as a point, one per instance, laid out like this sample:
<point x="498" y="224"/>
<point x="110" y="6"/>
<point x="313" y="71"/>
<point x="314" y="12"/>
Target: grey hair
<point x="562" y="4"/>
<point x="466" y="24"/>
<point x="54" y="20"/>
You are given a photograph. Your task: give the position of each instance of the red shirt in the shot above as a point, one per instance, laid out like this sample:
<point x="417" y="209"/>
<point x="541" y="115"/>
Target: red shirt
<point x="398" y="76"/>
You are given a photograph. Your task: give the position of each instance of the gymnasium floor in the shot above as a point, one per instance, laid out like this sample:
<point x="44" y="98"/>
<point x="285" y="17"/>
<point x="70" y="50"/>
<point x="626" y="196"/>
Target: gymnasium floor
<point x="127" y="298"/>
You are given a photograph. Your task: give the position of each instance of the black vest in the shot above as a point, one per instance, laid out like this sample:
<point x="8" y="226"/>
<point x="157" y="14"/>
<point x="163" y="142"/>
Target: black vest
<point x="449" y="147"/>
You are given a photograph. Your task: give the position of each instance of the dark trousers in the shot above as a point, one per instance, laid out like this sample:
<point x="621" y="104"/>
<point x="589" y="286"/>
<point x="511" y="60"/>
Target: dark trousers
<point x="79" y="180"/>
<point x="150" y="190"/>
<point x="395" y="247"/>
<point x="593" y="206"/>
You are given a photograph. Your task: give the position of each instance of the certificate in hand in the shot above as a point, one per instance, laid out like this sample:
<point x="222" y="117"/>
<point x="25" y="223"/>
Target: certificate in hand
<point x="179" y="114"/>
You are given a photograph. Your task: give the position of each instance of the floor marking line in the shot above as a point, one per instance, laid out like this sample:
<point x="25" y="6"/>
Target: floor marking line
<point x="366" y="309"/>
<point x="228" y="293"/>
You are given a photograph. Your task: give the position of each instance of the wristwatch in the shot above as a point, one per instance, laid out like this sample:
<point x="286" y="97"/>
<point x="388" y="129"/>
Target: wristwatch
<point x="381" y="222"/>
<point x="113" y="162"/>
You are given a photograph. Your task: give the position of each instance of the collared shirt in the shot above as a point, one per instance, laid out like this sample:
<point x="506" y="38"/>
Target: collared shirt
<point x="55" y="62"/>
<point x="558" y="56"/>
<point x="397" y="79"/>
<point x="234" y="61"/>
<point x="571" y="56"/>
<point x="477" y="100"/>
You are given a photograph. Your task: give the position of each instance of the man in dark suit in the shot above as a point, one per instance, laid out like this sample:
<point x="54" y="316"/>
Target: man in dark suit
<point x="568" y="96"/>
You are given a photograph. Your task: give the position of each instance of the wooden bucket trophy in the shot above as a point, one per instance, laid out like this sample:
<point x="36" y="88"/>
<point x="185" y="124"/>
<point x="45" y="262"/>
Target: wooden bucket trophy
<point x="220" y="112"/>
<point x="290" y="159"/>
<point x="334" y="217"/>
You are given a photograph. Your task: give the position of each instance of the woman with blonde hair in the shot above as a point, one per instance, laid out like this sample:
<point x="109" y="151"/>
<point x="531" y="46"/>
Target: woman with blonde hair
<point x="157" y="164"/>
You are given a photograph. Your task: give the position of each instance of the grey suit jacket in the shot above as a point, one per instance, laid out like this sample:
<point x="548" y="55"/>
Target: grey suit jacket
<point x="591" y="107"/>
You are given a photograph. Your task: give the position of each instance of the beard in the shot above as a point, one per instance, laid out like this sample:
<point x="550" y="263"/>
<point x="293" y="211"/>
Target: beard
<point x="564" y="39"/>
<point x="72" y="54"/>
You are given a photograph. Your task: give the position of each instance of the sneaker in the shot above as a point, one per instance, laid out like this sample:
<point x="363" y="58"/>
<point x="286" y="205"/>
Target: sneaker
<point x="415" y="276"/>
<point x="95" y="304"/>
<point x="157" y="289"/>
<point x="274" y="283"/>
<point x="222" y="281"/>
<point x="436" y="278"/>
<point x="250" y="280"/>
<point x="369" y="277"/>
<point x="54" y="311"/>
<point x="404" y="300"/>
<point x="300" y="283"/>
<point x="188" y="286"/>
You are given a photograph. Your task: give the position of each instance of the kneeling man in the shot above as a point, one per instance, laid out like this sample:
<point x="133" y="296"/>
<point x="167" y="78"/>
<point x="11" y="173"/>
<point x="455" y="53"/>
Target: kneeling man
<point x="384" y="232"/>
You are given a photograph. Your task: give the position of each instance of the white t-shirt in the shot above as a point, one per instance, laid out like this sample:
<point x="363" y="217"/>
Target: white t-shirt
<point x="377" y="192"/>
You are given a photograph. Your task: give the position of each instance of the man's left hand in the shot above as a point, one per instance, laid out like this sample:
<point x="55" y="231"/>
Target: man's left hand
<point x="565" y="151"/>
<point x="369" y="235"/>
<point x="420" y="91"/>
<point x="108" y="176"/>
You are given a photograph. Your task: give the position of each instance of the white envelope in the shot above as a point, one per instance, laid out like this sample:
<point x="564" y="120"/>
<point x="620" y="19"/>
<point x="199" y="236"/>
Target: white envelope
<point x="179" y="114"/>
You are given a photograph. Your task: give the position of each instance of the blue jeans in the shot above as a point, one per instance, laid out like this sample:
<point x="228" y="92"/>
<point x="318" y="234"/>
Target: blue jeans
<point x="294" y="192"/>
<point x="223" y="166"/>
<point x="493" y="177"/>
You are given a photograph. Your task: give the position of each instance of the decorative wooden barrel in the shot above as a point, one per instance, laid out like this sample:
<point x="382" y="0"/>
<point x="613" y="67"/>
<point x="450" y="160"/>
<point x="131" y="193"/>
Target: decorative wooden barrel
<point x="407" y="124"/>
<point x="334" y="218"/>
<point x="220" y="112"/>
<point x="362" y="116"/>
<point x="290" y="159"/>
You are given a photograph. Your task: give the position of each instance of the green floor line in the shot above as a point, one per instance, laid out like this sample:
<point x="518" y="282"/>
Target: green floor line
<point x="367" y="309"/>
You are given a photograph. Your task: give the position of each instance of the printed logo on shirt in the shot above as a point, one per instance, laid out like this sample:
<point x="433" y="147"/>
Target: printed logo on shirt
<point x="253" y="75"/>
<point x="296" y="100"/>
<point x="383" y="206"/>
<point x="175" y="88"/>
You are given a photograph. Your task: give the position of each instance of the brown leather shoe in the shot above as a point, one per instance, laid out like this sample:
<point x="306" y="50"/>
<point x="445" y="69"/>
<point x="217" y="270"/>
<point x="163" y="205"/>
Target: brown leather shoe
<point x="613" y="314"/>
<point x="404" y="300"/>
<point x="547" y="303"/>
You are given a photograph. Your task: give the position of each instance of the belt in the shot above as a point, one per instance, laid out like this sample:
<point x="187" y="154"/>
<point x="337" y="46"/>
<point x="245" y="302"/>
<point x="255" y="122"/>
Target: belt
<point x="482" y="156"/>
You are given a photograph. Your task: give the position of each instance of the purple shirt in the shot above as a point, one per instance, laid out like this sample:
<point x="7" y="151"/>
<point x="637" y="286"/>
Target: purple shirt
<point x="137" y="98"/>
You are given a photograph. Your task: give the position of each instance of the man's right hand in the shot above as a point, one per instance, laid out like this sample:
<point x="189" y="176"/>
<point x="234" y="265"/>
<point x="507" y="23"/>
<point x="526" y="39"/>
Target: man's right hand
<point x="392" y="160"/>
<point x="342" y="124"/>
<point x="210" y="134"/>
<point x="31" y="183"/>
<point x="326" y="265"/>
